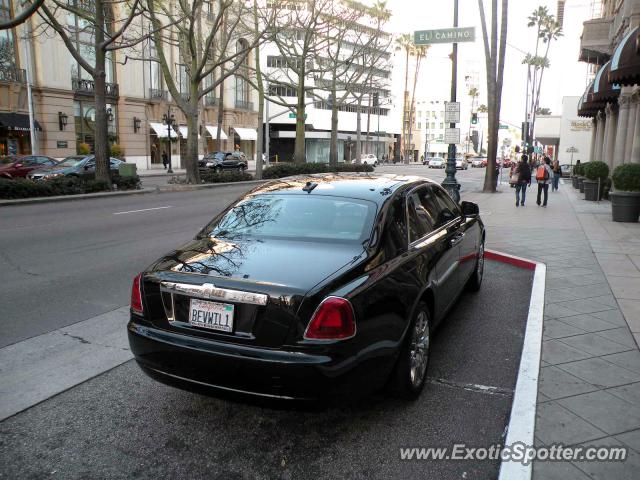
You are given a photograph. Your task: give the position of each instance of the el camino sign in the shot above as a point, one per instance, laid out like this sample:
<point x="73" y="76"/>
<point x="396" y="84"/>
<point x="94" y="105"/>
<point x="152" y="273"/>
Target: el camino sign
<point x="444" y="35"/>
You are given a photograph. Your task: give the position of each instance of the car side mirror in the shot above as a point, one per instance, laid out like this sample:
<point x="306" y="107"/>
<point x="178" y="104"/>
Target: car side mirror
<point x="470" y="209"/>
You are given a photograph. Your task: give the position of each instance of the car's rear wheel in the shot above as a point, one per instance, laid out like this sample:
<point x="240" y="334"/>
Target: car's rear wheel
<point x="240" y="169"/>
<point x="475" y="282"/>
<point x="410" y="372"/>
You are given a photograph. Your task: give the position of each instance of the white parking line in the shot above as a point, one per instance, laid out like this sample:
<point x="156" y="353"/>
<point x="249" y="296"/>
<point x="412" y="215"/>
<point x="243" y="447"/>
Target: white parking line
<point x="142" y="210"/>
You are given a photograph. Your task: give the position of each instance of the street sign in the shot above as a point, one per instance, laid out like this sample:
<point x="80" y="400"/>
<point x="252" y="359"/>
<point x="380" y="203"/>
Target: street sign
<point x="444" y="35"/>
<point x="452" y="135"/>
<point x="504" y="127"/>
<point x="293" y="115"/>
<point x="452" y="112"/>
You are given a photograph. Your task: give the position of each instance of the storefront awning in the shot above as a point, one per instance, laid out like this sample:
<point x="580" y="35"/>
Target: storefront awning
<point x="585" y="108"/>
<point x="17" y="122"/>
<point x="213" y="131"/>
<point x="246" y="133"/>
<point x="184" y="131"/>
<point x="603" y="91"/>
<point x="161" y="130"/>
<point x="625" y="63"/>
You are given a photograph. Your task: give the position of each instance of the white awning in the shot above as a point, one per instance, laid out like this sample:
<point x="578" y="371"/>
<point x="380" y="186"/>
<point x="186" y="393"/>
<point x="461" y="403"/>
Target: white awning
<point x="246" y="133"/>
<point x="184" y="131"/>
<point x="213" y="131"/>
<point x="161" y="130"/>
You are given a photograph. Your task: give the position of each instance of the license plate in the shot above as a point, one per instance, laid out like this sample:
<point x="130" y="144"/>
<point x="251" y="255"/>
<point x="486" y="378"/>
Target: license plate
<point x="211" y="315"/>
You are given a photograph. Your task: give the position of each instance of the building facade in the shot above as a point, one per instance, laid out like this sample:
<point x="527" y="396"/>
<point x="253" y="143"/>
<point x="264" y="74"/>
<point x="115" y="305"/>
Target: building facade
<point x="610" y="43"/>
<point x="62" y="96"/>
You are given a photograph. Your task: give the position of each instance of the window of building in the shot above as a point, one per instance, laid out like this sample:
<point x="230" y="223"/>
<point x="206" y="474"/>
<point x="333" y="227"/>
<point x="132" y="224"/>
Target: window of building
<point x="7" y="44"/>
<point x="441" y="125"/>
<point x="85" y="123"/>
<point x="81" y="34"/>
<point x="183" y="78"/>
<point x="242" y="85"/>
<point x="419" y="126"/>
<point x="433" y="125"/>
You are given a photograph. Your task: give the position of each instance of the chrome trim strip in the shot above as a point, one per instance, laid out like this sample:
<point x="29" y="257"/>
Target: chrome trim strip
<point x="210" y="291"/>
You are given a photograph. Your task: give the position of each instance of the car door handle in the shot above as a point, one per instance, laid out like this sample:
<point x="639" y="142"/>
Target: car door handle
<point x="456" y="239"/>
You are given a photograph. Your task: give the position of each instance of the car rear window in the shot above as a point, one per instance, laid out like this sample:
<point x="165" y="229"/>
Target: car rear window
<point x="308" y="217"/>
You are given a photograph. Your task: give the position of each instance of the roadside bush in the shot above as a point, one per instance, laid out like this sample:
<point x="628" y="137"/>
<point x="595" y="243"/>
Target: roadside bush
<point x="84" y="149"/>
<point x="116" y="150"/>
<point x="224" y="177"/>
<point x="578" y="170"/>
<point x="288" y="169"/>
<point x="21" y="188"/>
<point x="596" y="170"/>
<point x="127" y="183"/>
<point x="626" y="177"/>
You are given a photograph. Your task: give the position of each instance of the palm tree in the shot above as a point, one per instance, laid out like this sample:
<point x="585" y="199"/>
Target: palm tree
<point x="538" y="18"/>
<point x="420" y="52"/>
<point x="405" y="43"/>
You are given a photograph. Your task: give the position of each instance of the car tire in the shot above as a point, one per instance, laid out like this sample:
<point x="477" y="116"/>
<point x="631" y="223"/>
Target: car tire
<point x="240" y="169"/>
<point x="475" y="281"/>
<point x="410" y="372"/>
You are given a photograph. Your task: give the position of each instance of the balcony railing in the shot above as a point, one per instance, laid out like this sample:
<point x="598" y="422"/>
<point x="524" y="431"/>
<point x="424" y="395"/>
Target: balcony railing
<point x="158" y="94"/>
<point x="12" y="74"/>
<point x="243" y="105"/>
<point x="84" y="86"/>
<point x="212" y="101"/>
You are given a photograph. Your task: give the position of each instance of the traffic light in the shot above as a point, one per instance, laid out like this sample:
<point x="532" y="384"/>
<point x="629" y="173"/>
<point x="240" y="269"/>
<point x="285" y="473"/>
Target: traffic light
<point x="474" y="118"/>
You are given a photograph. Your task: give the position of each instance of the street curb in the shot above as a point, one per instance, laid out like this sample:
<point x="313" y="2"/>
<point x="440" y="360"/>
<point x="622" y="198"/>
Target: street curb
<point x="188" y="187"/>
<point x="522" y="420"/>
<point x="68" y="198"/>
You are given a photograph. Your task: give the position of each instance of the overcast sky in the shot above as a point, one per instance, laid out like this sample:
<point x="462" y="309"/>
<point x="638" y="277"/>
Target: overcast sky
<point x="565" y="77"/>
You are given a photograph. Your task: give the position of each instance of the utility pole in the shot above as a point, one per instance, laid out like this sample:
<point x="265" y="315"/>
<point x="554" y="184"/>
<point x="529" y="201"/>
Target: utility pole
<point x="450" y="183"/>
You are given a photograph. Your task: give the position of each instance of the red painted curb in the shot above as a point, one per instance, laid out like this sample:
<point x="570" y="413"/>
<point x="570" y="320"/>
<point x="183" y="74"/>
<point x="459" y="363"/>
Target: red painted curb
<point x="510" y="259"/>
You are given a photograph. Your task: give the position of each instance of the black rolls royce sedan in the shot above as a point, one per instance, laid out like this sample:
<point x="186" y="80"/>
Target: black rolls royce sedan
<point x="308" y="287"/>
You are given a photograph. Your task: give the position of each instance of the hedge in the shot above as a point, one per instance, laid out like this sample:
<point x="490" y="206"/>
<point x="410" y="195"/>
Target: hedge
<point x="224" y="177"/>
<point x="22" y="188"/>
<point x="596" y="170"/>
<point x="626" y="177"/>
<point x="288" y="169"/>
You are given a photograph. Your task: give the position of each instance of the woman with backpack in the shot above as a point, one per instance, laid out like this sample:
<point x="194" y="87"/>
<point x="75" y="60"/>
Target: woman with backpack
<point x="543" y="177"/>
<point x="557" y="174"/>
<point x="522" y="174"/>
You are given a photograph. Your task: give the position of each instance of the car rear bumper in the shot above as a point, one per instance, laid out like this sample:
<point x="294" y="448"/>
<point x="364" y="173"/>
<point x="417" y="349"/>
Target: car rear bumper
<point x="218" y="368"/>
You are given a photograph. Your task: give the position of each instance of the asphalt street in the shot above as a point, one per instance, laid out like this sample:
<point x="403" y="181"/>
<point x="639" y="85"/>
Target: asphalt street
<point x="121" y="424"/>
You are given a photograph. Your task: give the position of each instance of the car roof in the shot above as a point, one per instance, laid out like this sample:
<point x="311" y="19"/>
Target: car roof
<point x="369" y="186"/>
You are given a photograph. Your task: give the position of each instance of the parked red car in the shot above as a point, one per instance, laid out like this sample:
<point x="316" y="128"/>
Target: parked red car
<point x="507" y="163"/>
<point x="18" y="166"/>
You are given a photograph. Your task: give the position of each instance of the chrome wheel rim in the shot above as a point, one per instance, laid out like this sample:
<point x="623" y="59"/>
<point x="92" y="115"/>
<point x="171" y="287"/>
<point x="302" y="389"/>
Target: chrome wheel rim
<point x="480" y="262"/>
<point x="419" y="352"/>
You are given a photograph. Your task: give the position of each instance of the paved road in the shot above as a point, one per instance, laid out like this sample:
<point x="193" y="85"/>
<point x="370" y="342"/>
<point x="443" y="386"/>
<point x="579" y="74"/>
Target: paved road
<point x="124" y="425"/>
<point x="64" y="262"/>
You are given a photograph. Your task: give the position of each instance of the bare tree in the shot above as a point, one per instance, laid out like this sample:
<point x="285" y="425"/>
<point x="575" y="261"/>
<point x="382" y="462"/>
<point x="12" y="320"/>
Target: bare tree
<point x="29" y="8"/>
<point x="494" y="60"/>
<point x="220" y="43"/>
<point x="103" y="25"/>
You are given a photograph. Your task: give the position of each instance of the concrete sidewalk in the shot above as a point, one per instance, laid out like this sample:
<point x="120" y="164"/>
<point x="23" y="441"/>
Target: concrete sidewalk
<point x="589" y="390"/>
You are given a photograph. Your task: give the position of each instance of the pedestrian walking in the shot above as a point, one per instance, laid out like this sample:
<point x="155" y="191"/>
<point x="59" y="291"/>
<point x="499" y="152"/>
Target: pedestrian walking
<point x="543" y="177"/>
<point x="522" y="174"/>
<point x="557" y="174"/>
<point x="165" y="159"/>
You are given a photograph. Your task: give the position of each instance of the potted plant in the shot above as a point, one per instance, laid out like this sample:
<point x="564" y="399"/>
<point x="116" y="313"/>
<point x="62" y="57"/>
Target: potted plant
<point x="581" y="177"/>
<point x="595" y="174"/>
<point x="625" y="196"/>
<point x="575" y="173"/>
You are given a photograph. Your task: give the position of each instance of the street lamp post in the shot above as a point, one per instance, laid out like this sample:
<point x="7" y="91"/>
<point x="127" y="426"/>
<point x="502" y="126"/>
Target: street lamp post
<point x="169" y="119"/>
<point x="450" y="183"/>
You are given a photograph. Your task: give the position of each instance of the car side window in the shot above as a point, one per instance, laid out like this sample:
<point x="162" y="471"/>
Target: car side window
<point x="394" y="239"/>
<point x="419" y="220"/>
<point x="448" y="210"/>
<point x="29" y="161"/>
<point x="44" y="161"/>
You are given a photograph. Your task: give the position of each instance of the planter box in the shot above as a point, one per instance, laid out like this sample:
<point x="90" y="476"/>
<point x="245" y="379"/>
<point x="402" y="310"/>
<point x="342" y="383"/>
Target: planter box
<point x="574" y="182"/>
<point x="625" y="206"/>
<point x="581" y="184"/>
<point x="591" y="191"/>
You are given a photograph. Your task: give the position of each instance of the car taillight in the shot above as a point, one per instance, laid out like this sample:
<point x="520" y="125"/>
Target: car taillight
<point x="333" y="320"/>
<point x="136" y="295"/>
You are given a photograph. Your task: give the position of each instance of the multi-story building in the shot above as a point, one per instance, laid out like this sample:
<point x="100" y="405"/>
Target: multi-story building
<point x="609" y="43"/>
<point x="379" y="130"/>
<point x="429" y="128"/>
<point x="63" y="98"/>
